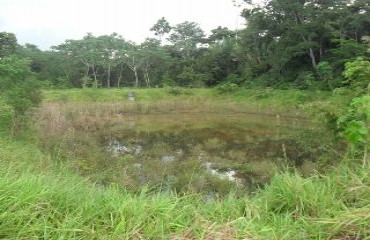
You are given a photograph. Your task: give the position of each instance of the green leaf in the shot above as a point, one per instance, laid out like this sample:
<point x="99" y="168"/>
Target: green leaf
<point x="356" y="132"/>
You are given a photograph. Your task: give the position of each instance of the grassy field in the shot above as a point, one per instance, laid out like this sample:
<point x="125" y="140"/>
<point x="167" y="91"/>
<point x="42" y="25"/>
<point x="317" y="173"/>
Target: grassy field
<point x="41" y="199"/>
<point x="262" y="97"/>
<point x="269" y="101"/>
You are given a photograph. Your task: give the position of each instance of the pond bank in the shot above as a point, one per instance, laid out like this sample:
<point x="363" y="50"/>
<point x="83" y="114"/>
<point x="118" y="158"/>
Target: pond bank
<point x="245" y="138"/>
<point x="41" y="198"/>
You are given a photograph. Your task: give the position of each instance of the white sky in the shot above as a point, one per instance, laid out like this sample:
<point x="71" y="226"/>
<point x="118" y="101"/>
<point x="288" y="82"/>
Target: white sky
<point x="50" y="22"/>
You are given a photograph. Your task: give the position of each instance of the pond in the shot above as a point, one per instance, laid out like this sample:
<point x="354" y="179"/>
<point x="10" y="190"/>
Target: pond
<point x="183" y="151"/>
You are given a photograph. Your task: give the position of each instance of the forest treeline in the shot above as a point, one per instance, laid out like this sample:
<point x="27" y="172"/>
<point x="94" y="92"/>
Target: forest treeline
<point x="285" y="43"/>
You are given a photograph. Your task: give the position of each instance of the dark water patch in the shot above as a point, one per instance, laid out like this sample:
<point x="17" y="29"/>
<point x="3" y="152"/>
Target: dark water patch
<point x="202" y="152"/>
<point x="226" y="147"/>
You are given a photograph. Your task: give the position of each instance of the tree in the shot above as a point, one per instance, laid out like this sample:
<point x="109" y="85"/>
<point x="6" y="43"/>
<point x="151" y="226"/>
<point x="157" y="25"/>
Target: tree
<point x="17" y="87"/>
<point x="87" y="51"/>
<point x="220" y="60"/>
<point x="51" y="68"/>
<point x="345" y="50"/>
<point x="152" y="55"/>
<point x="161" y="28"/>
<point x="131" y="57"/>
<point x="355" y="126"/>
<point x="325" y="72"/>
<point x="108" y="45"/>
<point x="357" y="73"/>
<point x="285" y="38"/>
<point x="8" y="44"/>
<point x="220" y="34"/>
<point x="185" y="37"/>
<point x="123" y="48"/>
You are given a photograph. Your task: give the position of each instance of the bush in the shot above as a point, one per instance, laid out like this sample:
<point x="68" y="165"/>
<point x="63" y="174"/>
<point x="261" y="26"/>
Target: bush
<point x="305" y="80"/>
<point x="190" y="78"/>
<point x="357" y="73"/>
<point x="227" y="88"/>
<point x="87" y="82"/>
<point x="167" y="81"/>
<point x="20" y="90"/>
<point x="23" y="96"/>
<point x="325" y="73"/>
<point x="233" y="78"/>
<point x="174" y="91"/>
<point x="355" y="124"/>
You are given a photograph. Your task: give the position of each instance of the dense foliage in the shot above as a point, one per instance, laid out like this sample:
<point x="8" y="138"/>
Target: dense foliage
<point x="18" y="87"/>
<point x="304" y="44"/>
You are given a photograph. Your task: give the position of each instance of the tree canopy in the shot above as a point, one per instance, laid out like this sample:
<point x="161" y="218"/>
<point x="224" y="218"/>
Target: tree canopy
<point x="303" y="44"/>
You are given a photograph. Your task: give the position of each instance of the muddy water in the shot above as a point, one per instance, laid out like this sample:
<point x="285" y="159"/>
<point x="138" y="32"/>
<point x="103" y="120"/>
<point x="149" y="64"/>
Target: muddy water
<point x="198" y="152"/>
<point x="223" y="149"/>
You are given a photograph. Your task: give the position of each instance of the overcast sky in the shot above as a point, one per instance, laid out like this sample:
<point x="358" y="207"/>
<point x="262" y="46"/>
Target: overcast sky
<point x="50" y="22"/>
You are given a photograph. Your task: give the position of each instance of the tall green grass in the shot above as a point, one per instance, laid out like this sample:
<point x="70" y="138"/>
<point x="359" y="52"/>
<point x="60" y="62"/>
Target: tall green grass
<point x="40" y="200"/>
<point x="240" y="99"/>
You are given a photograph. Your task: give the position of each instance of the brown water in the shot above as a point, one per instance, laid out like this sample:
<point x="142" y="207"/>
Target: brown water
<point x="183" y="151"/>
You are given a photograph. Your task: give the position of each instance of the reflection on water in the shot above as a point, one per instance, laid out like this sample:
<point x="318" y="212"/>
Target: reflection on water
<point x="201" y="152"/>
<point x="230" y="175"/>
<point x="226" y="147"/>
<point x="115" y="148"/>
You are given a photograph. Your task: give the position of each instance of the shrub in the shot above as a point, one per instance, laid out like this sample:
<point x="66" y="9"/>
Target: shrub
<point x="233" y="78"/>
<point x="305" y="80"/>
<point x="20" y="90"/>
<point x="357" y="73"/>
<point x="23" y="96"/>
<point x="325" y="73"/>
<point x="87" y="82"/>
<point x="227" y="88"/>
<point x="174" y="91"/>
<point x="355" y="124"/>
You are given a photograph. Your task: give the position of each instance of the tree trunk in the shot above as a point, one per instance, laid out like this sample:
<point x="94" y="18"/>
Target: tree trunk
<point x="310" y="50"/>
<point x="134" y="69"/>
<point x="66" y="74"/>
<point x="120" y="75"/>
<point x="147" y="78"/>
<point x="87" y="71"/>
<point x="136" y="77"/>
<point x="257" y="50"/>
<point x="95" y="77"/>
<point x="146" y="74"/>
<point x="313" y="59"/>
<point x="108" y="77"/>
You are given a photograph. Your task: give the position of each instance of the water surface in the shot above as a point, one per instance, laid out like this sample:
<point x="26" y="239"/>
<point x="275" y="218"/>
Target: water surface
<point x="182" y="151"/>
<point x="235" y="148"/>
